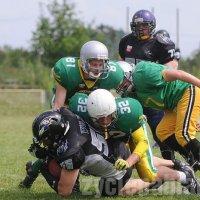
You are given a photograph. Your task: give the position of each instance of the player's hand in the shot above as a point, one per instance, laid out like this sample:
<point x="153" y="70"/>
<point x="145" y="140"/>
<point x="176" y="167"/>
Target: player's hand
<point x="37" y="151"/>
<point x="121" y="164"/>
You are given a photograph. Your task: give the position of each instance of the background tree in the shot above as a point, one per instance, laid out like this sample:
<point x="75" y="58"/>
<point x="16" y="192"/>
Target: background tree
<point x="111" y="38"/>
<point x="62" y="34"/>
<point x="192" y="64"/>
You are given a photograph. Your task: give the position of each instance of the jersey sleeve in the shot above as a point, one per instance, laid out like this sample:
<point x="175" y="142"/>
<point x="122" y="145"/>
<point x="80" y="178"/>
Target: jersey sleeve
<point x="131" y="119"/>
<point x="139" y="142"/>
<point x="165" y="48"/>
<point x="115" y="77"/>
<point x="59" y="72"/>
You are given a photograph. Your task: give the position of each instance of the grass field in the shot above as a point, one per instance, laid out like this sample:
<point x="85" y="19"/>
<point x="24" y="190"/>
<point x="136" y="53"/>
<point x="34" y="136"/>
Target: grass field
<point x="15" y="137"/>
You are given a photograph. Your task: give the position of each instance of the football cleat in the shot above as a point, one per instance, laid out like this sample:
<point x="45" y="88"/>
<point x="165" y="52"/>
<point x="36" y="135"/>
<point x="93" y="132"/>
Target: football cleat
<point x="191" y="184"/>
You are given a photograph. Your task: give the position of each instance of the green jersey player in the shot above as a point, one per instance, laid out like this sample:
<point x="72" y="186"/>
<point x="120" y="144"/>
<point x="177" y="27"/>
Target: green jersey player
<point x="91" y="71"/>
<point x="178" y="94"/>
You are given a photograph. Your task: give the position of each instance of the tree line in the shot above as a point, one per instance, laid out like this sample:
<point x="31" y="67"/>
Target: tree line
<point x="60" y="34"/>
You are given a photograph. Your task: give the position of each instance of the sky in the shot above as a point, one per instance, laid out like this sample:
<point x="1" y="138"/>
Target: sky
<point x="18" y="18"/>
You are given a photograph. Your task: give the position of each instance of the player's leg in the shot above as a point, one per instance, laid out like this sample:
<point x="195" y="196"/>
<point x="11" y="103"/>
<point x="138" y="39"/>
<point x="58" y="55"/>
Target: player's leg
<point x="134" y="186"/>
<point x="153" y="118"/>
<point x="32" y="172"/>
<point x="157" y="171"/>
<point x="188" y="110"/>
<point x="164" y="131"/>
<point x="112" y="186"/>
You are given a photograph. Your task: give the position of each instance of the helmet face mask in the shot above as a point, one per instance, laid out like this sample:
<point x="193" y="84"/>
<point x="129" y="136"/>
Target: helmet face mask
<point x="94" y="51"/>
<point x="97" y="68"/>
<point x="105" y="122"/>
<point x="143" y="24"/>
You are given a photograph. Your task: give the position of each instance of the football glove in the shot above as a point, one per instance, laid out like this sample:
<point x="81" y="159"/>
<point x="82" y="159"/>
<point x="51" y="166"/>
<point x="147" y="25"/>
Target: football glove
<point x="121" y="164"/>
<point x="37" y="151"/>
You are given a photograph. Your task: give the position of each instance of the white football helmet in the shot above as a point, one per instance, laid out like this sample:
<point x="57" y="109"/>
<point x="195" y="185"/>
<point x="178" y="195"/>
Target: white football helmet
<point x="101" y="103"/>
<point x="94" y="50"/>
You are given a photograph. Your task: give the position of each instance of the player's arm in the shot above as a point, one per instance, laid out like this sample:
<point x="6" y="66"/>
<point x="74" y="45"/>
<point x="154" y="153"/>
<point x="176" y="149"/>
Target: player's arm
<point x="138" y="145"/>
<point x="172" y="75"/>
<point x="67" y="181"/>
<point x="173" y="63"/>
<point x="60" y="96"/>
<point x="58" y="73"/>
<point x="70" y="168"/>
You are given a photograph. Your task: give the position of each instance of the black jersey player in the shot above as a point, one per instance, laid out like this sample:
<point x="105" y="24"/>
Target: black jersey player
<point x="144" y="44"/>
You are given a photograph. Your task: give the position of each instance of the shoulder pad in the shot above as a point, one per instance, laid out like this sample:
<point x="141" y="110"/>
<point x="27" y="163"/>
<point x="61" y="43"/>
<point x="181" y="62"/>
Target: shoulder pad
<point x="163" y="39"/>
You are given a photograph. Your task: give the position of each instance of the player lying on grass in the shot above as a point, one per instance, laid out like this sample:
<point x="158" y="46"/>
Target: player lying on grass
<point x="70" y="145"/>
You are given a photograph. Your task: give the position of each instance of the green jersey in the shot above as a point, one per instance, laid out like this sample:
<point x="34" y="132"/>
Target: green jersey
<point x="151" y="88"/>
<point x="68" y="74"/>
<point x="129" y="114"/>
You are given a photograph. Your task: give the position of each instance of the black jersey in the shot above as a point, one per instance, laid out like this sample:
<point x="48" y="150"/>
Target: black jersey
<point x="157" y="49"/>
<point x="85" y="148"/>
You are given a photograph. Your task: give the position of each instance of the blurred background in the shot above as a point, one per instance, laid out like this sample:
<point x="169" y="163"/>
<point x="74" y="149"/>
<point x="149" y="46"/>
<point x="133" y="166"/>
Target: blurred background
<point x="36" y="34"/>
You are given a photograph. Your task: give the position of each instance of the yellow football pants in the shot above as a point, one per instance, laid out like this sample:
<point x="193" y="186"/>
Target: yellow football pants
<point x="183" y="119"/>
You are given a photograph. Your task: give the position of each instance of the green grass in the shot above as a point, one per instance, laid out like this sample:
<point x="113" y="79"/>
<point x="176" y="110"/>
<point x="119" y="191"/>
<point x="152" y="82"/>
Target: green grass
<point x="15" y="137"/>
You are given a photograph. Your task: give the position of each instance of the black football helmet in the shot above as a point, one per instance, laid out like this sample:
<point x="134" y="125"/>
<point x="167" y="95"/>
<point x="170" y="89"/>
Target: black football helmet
<point x="143" y="24"/>
<point x="49" y="127"/>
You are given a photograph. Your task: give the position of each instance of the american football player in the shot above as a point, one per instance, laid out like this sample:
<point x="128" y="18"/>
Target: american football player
<point x="177" y="93"/>
<point x="70" y="145"/>
<point x="91" y="71"/>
